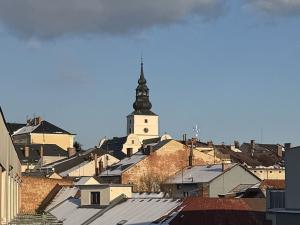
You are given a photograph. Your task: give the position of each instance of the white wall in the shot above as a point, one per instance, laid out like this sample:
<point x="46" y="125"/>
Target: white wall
<point x="231" y="179"/>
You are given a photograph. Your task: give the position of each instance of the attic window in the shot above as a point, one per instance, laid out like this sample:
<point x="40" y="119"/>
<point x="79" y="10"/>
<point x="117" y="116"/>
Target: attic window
<point x="95" y="198"/>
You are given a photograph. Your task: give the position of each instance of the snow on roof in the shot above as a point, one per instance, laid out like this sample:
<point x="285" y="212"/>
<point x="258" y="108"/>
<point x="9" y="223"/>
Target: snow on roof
<point x="138" y="211"/>
<point x="70" y="213"/>
<point x="86" y="180"/>
<point x="132" y="211"/>
<point x="62" y="195"/>
<point x="118" y="168"/>
<point x="26" y="129"/>
<point x="197" y="174"/>
<point x="148" y="195"/>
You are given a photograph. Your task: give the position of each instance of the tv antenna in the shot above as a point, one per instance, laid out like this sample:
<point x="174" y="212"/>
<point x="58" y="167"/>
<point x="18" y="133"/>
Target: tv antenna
<point x="196" y="130"/>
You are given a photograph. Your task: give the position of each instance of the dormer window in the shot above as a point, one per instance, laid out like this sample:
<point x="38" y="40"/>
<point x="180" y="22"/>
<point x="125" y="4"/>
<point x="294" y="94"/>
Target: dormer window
<point x="95" y="198"/>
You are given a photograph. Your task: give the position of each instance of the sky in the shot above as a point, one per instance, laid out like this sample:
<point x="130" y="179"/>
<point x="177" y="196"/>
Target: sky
<point x="230" y="67"/>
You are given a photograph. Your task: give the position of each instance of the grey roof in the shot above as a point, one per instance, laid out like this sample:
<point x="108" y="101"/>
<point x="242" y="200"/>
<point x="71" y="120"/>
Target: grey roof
<point x="70" y="213"/>
<point x="75" y="161"/>
<point x="197" y="174"/>
<point x="34" y="152"/>
<point x="62" y="195"/>
<point x="114" y="147"/>
<point x="138" y="211"/>
<point x="133" y="211"/>
<point x="121" y="166"/>
<point x="14" y="127"/>
<point x="262" y="156"/>
<point x="44" y="127"/>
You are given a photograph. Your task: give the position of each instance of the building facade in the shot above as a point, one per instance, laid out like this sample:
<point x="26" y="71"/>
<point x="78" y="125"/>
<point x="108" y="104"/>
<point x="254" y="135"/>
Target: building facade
<point x="10" y="179"/>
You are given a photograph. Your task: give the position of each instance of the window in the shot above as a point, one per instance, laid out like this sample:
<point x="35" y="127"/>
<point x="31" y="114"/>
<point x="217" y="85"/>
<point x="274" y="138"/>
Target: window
<point x="95" y="198"/>
<point x="146" y="130"/>
<point x="146" y="120"/>
<point x="279" y="171"/>
<point x="129" y="152"/>
<point x="130" y="131"/>
<point x="132" y="142"/>
<point x="271" y="171"/>
<point x="260" y="171"/>
<point x="129" y="121"/>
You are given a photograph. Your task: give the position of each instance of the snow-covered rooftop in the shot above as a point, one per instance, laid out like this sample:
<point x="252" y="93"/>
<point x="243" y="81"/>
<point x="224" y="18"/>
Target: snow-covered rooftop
<point x="197" y="174"/>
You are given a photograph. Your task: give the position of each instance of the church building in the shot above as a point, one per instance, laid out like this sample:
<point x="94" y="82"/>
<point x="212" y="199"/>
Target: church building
<point x="142" y="121"/>
<point x="142" y="125"/>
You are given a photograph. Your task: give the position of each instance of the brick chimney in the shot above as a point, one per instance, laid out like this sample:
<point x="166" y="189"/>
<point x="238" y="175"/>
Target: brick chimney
<point x="26" y="151"/>
<point x="71" y="152"/>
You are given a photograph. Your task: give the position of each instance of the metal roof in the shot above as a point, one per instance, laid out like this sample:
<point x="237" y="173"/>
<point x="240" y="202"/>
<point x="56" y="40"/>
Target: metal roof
<point x="70" y="213"/>
<point x="133" y="211"/>
<point x="62" y="195"/>
<point x="197" y="174"/>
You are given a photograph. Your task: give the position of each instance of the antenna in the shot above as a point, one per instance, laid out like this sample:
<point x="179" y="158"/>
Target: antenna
<point x="196" y="130"/>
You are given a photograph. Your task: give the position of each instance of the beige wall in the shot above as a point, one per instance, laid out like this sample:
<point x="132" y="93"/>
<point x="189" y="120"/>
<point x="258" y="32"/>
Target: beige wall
<point x="133" y="142"/>
<point x="117" y="191"/>
<point x="138" y="124"/>
<point x="269" y="174"/>
<point x="64" y="141"/>
<point x="10" y="175"/>
<point x="231" y="179"/>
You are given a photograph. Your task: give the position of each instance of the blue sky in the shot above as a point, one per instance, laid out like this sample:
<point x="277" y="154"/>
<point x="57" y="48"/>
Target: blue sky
<point x="233" y="71"/>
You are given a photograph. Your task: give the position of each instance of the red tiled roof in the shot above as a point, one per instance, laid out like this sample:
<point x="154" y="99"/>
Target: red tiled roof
<point x="221" y="211"/>
<point x="276" y="184"/>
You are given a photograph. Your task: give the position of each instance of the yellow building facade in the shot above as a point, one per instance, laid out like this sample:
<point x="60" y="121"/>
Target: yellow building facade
<point x="10" y="175"/>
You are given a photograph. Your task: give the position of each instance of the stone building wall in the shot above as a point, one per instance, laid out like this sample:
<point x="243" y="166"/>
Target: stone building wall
<point x="35" y="189"/>
<point x="150" y="173"/>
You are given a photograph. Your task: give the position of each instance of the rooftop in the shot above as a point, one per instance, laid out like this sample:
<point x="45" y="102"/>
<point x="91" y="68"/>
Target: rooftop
<point x="131" y="211"/>
<point x="197" y="174"/>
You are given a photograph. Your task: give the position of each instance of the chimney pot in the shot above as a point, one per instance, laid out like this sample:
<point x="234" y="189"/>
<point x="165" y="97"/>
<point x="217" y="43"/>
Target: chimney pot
<point x="71" y="152"/>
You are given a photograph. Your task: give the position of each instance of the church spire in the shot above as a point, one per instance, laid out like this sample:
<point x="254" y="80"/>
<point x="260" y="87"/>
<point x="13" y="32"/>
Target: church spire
<point x="142" y="104"/>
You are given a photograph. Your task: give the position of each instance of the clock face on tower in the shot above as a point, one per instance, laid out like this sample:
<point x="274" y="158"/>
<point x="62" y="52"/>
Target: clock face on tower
<point x="146" y="130"/>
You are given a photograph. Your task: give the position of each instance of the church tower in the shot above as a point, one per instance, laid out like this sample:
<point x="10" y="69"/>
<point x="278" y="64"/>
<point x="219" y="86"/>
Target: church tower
<point x="142" y="121"/>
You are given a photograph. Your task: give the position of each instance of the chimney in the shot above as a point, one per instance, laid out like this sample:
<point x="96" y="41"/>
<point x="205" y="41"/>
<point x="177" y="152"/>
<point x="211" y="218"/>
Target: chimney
<point x="148" y="150"/>
<point x="287" y="146"/>
<point x="42" y="151"/>
<point x="210" y="144"/>
<point x="71" y="152"/>
<point x="237" y="144"/>
<point x="96" y="164"/>
<point x="26" y="151"/>
<point x="225" y="166"/>
<point x="101" y="166"/>
<point x="252" y="146"/>
<point x="279" y="150"/>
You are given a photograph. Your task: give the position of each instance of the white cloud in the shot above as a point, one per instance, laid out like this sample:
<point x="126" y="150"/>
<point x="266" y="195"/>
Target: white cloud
<point x="47" y="19"/>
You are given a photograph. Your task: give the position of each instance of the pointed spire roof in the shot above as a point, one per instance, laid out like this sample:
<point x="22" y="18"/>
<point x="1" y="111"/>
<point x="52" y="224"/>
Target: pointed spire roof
<point x="142" y="104"/>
